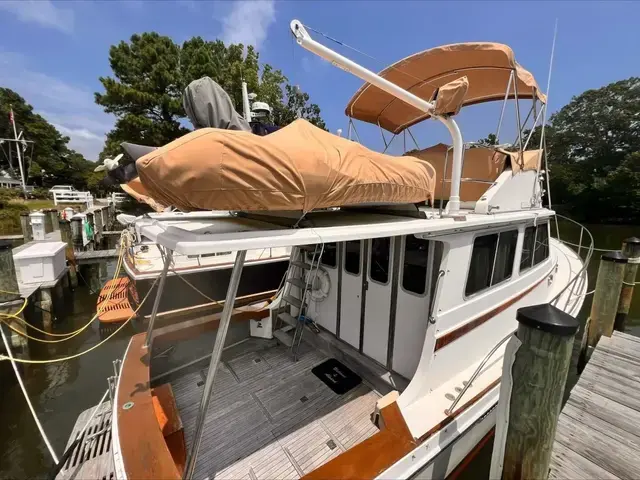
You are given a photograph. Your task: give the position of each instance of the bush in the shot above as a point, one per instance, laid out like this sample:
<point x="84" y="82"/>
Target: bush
<point x="40" y="193"/>
<point x="10" y="217"/>
<point x="8" y="194"/>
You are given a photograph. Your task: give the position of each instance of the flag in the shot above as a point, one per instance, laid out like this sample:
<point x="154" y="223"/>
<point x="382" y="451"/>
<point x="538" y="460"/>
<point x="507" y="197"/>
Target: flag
<point x="11" y="115"/>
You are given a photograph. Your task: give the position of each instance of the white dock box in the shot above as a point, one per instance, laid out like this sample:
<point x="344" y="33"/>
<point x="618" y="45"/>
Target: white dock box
<point x="41" y="262"/>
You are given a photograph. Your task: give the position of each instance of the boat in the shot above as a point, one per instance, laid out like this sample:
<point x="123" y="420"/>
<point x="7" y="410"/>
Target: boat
<point x="197" y="282"/>
<point x="388" y="335"/>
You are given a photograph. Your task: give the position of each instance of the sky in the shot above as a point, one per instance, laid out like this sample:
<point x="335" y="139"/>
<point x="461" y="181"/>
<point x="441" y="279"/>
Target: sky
<point x="53" y="53"/>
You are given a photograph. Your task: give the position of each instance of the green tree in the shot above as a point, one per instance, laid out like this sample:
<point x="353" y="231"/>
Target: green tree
<point x="150" y="73"/>
<point x="490" y="139"/>
<point x="592" y="146"/>
<point x="52" y="161"/>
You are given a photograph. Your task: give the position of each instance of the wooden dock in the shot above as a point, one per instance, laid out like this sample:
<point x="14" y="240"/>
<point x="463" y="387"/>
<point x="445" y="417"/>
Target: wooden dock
<point x="598" y="433"/>
<point x="92" y="256"/>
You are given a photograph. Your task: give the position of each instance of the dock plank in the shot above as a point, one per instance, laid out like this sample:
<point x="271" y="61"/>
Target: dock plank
<point x="598" y="432"/>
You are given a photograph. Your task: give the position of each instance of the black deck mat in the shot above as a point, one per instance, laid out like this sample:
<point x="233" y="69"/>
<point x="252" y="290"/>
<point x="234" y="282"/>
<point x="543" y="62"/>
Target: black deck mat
<point x="336" y="376"/>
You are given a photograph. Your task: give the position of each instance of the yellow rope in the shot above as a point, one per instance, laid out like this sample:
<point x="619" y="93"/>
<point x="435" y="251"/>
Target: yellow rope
<point x="71" y="357"/>
<point x="67" y="335"/>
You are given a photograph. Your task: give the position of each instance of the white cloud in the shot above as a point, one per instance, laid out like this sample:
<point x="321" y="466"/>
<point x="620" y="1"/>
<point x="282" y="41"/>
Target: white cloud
<point x="70" y="108"/>
<point x="248" y="22"/>
<point x="42" y="12"/>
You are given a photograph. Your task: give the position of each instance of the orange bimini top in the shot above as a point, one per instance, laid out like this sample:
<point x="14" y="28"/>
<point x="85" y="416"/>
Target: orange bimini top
<point x="299" y="167"/>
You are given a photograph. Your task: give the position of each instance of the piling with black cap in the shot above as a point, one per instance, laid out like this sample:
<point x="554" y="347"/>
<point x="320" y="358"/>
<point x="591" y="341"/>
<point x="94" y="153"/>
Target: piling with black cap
<point x="538" y="375"/>
<point x="9" y="290"/>
<point x="606" y="296"/>
<point x="25" y="225"/>
<point x="630" y="248"/>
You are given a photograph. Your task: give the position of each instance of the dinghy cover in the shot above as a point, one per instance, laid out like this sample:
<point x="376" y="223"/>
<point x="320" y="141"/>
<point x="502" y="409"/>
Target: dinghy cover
<point x="300" y="167"/>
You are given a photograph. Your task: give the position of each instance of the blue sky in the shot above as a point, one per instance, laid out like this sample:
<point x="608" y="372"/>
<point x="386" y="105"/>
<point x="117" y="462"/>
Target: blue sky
<point x="52" y="53"/>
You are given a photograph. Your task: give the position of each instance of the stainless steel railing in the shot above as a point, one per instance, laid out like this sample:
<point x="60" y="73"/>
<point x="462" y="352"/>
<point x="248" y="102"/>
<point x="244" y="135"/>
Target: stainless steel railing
<point x="580" y="277"/>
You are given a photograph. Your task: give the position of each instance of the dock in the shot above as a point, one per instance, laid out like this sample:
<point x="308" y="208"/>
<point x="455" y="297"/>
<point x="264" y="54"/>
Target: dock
<point x="598" y="433"/>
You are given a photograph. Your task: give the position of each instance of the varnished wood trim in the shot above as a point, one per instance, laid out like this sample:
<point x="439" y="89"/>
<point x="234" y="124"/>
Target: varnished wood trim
<point x="373" y="456"/>
<point x="459" y="410"/>
<point x="143" y="448"/>
<point x="452" y="336"/>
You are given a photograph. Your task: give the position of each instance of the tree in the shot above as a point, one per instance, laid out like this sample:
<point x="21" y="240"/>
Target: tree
<point x="490" y="139"/>
<point x="52" y="162"/>
<point x="150" y="73"/>
<point x="592" y="146"/>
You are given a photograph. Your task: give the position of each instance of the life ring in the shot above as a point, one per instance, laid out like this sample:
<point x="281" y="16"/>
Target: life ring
<point x="321" y="286"/>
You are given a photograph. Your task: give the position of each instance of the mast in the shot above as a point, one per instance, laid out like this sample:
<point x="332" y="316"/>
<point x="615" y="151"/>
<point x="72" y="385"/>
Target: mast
<point x="17" y="140"/>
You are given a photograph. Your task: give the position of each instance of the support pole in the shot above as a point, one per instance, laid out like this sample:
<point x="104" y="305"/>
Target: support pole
<point x="46" y="308"/>
<point x="533" y="382"/>
<point x="225" y="319"/>
<point x="25" y="225"/>
<point x="93" y="229"/>
<point x="630" y="248"/>
<point x="156" y="304"/>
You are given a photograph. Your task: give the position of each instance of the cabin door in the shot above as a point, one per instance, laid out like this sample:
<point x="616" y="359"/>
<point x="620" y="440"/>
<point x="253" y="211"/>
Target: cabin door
<point x="351" y="292"/>
<point x="323" y="301"/>
<point x="379" y="288"/>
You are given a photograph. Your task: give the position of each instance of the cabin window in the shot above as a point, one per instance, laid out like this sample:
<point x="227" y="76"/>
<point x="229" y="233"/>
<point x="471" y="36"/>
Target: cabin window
<point x="541" y="250"/>
<point x="503" y="266"/>
<point x="484" y="251"/>
<point x="380" y="256"/>
<point x="491" y="260"/>
<point x="329" y="256"/>
<point x="535" y="247"/>
<point x="527" y="248"/>
<point x="352" y="257"/>
<point x="414" y="268"/>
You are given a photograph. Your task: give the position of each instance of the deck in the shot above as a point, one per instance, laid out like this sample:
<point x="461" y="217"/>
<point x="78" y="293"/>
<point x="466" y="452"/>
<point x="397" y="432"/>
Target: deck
<point x="598" y="433"/>
<point x="269" y="416"/>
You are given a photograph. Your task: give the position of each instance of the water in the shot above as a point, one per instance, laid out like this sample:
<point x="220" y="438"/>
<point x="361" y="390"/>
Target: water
<point x="61" y="391"/>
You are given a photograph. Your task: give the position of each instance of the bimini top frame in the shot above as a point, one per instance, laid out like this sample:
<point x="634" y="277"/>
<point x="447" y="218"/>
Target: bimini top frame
<point x="304" y="40"/>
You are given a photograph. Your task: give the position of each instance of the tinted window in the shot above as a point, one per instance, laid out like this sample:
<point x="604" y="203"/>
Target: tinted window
<point x="329" y="255"/>
<point x="484" y="251"/>
<point x="527" y="248"/>
<point x="504" y="258"/>
<point x="541" y="250"/>
<point x="352" y="257"/>
<point x="414" y="269"/>
<point x="379" y="265"/>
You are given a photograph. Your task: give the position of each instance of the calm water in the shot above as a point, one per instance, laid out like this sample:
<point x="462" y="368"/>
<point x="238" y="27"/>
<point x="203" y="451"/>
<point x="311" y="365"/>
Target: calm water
<point x="61" y="391"/>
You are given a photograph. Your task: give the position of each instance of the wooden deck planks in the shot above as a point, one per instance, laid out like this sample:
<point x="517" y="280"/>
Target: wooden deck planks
<point x="598" y="433"/>
<point x="270" y="417"/>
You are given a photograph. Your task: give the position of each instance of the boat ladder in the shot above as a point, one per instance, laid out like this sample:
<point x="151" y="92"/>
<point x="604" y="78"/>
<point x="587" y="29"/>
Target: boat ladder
<point x="300" y="278"/>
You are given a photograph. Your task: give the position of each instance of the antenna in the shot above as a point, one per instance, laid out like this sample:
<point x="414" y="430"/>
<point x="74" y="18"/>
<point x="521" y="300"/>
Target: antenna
<point x="544" y="117"/>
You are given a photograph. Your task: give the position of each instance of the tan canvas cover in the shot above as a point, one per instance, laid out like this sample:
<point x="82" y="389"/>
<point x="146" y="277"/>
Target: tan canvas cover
<point x="450" y="97"/>
<point x="479" y="163"/>
<point x="487" y="66"/>
<point x="137" y="191"/>
<point x="530" y="160"/>
<point x="299" y="167"/>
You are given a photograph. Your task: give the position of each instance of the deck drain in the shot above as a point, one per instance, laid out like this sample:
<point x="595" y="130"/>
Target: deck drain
<point x="200" y="383"/>
<point x="304" y="399"/>
<point x="256" y="360"/>
<point x="331" y="444"/>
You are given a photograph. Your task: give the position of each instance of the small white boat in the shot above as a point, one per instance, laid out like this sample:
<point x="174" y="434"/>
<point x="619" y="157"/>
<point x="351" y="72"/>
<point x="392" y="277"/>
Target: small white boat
<point x="382" y="355"/>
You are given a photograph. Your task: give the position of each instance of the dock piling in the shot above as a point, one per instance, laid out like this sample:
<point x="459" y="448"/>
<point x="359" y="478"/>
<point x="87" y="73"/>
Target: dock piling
<point x="76" y="233"/>
<point x="66" y="236"/>
<point x="91" y="223"/>
<point x="25" y="225"/>
<point x="48" y="224"/>
<point x="605" y="302"/>
<point x="535" y="371"/>
<point x="53" y="214"/>
<point x="631" y="249"/>
<point x="9" y="292"/>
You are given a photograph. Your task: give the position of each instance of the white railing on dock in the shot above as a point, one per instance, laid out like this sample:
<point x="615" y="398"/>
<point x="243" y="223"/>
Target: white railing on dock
<point x="73" y="197"/>
<point x="117" y="198"/>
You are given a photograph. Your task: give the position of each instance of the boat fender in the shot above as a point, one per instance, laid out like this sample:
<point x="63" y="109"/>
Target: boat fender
<point x="321" y="286"/>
